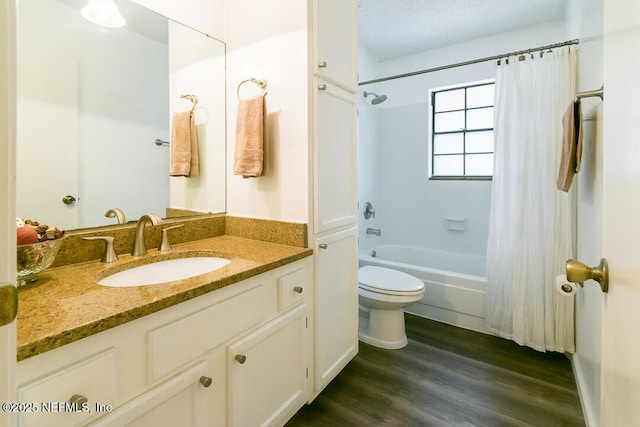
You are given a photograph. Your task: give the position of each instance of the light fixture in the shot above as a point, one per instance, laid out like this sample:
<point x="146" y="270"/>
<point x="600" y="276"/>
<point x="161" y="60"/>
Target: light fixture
<point x="104" y="13"/>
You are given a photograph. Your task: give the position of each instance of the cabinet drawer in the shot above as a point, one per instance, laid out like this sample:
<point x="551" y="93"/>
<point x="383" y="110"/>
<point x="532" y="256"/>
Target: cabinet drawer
<point x="93" y="378"/>
<point x="291" y="288"/>
<point x="174" y="345"/>
<point x="180" y="401"/>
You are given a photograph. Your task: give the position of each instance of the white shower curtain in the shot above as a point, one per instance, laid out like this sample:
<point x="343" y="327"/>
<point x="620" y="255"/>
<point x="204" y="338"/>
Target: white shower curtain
<point x="530" y="231"/>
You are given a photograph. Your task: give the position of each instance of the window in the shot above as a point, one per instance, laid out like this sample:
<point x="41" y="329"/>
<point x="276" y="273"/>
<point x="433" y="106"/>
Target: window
<point x="462" y="132"/>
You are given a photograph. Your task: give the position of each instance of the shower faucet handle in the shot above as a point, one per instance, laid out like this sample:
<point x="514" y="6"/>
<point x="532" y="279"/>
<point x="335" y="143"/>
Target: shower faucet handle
<point x="369" y="212"/>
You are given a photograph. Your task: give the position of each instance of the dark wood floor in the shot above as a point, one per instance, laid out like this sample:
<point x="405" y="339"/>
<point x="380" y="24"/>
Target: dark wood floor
<point x="448" y="376"/>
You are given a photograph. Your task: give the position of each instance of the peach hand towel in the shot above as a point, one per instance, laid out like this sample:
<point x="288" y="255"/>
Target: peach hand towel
<point x="250" y="134"/>
<point x="184" y="159"/>
<point x="571" y="146"/>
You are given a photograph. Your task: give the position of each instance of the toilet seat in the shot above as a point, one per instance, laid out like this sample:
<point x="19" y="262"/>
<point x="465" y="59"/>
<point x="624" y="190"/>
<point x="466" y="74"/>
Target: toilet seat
<point x="389" y="282"/>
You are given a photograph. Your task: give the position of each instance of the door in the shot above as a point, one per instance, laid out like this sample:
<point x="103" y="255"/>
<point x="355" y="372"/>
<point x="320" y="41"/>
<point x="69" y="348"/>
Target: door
<point x="268" y="372"/>
<point x="335" y="35"/>
<point x="47" y="125"/>
<point x="336" y="299"/>
<point x="620" y="392"/>
<point x="7" y="204"/>
<point x="335" y="154"/>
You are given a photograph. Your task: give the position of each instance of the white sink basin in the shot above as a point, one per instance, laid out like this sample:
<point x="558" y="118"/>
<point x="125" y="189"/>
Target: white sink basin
<point x="164" y="271"/>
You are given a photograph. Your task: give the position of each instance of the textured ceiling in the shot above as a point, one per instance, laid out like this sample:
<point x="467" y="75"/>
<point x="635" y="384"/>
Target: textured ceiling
<point x="394" y="28"/>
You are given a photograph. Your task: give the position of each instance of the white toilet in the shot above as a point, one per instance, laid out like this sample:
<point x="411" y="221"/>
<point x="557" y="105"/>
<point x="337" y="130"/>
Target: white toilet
<point x="383" y="293"/>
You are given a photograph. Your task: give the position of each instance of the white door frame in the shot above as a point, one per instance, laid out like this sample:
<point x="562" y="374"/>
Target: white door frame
<point x="7" y="207"/>
<point x="620" y="376"/>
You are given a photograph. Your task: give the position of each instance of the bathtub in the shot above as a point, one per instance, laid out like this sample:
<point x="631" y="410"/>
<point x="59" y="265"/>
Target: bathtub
<point x="455" y="283"/>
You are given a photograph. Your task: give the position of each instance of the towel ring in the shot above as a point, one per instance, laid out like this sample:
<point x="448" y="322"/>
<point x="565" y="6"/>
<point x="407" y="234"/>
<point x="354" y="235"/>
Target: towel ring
<point x="260" y="82"/>
<point x="193" y="99"/>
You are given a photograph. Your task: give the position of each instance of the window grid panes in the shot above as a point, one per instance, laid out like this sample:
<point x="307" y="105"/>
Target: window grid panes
<point x="462" y="132"/>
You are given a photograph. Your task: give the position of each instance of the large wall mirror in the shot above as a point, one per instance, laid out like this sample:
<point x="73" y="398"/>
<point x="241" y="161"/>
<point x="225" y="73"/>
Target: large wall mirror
<point x="92" y="101"/>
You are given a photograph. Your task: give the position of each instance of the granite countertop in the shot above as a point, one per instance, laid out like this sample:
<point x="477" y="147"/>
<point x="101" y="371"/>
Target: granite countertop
<point x="67" y="304"/>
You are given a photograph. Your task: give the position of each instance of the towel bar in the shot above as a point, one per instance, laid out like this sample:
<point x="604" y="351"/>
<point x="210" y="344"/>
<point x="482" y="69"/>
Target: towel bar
<point x="591" y="93"/>
<point x="193" y="99"/>
<point x="260" y="82"/>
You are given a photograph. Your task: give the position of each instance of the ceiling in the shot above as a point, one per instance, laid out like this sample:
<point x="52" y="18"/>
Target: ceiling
<point x="393" y="28"/>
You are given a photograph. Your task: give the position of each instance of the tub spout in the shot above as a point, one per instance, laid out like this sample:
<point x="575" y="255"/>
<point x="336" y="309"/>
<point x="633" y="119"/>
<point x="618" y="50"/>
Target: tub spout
<point x="374" y="231"/>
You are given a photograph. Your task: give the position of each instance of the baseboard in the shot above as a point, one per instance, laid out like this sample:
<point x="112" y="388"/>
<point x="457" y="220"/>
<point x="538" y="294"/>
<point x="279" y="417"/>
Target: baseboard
<point x="588" y="411"/>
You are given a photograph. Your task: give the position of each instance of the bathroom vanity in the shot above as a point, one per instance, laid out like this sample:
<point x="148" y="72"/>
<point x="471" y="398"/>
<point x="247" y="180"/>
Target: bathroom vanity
<point x="230" y="347"/>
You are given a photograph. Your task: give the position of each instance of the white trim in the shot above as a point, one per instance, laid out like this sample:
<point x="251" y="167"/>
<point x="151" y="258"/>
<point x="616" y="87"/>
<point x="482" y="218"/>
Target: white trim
<point x="7" y="186"/>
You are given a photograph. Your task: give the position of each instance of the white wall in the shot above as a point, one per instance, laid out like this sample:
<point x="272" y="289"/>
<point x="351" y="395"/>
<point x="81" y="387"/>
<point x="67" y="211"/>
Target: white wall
<point x="200" y="71"/>
<point x="585" y="21"/>
<point x="368" y="153"/>
<point x="207" y="16"/>
<point x="265" y="42"/>
<point x="412" y="210"/>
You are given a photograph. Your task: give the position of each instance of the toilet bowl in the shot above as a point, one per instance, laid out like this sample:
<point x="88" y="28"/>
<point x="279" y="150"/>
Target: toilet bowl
<point x="383" y="293"/>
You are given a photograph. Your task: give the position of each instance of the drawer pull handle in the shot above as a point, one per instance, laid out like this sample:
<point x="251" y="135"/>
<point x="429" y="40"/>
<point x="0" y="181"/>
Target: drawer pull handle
<point x="205" y="381"/>
<point x="322" y="87"/>
<point x="322" y="64"/>
<point x="78" y="399"/>
<point x="298" y="289"/>
<point x="322" y="246"/>
<point x="241" y="358"/>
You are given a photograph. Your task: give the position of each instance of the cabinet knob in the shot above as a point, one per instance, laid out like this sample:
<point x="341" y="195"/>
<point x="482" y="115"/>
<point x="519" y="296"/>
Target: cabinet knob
<point x="241" y="358"/>
<point x="322" y="87"/>
<point x="322" y="64"/>
<point x="298" y="289"/>
<point x="78" y="399"/>
<point x="205" y="381"/>
<point x="323" y="246"/>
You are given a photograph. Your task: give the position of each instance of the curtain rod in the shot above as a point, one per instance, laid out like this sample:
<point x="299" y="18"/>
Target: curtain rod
<point x="473" y="61"/>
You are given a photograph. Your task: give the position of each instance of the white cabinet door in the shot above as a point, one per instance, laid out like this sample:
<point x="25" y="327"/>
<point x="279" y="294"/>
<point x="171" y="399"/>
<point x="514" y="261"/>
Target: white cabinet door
<point x="335" y="154"/>
<point x="336" y="41"/>
<point x="336" y="298"/>
<point x="267" y="372"/>
<point x="184" y="400"/>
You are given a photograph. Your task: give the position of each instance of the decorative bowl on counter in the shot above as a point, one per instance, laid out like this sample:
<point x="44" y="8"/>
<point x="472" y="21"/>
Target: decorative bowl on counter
<point x="35" y="257"/>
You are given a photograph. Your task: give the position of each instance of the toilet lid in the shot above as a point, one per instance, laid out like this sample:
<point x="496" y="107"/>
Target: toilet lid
<point x="380" y="279"/>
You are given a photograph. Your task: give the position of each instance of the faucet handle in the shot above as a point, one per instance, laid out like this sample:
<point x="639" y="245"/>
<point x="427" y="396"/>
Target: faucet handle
<point x="164" y="241"/>
<point x="109" y="254"/>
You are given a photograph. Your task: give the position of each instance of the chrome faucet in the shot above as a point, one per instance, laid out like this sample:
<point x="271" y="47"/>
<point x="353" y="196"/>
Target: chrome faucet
<point x="116" y="213"/>
<point x="139" y="247"/>
<point x="374" y="231"/>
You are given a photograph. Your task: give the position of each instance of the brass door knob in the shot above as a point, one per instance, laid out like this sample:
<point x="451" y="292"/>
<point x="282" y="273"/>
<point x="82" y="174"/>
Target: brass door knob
<point x="206" y="381"/>
<point x="578" y="272"/>
<point x="322" y="64"/>
<point x="8" y="304"/>
<point x="69" y="200"/>
<point x="240" y="358"/>
<point x="298" y="289"/>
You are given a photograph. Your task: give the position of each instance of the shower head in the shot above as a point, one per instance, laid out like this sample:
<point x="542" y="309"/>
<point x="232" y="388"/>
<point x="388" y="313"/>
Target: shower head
<point x="377" y="98"/>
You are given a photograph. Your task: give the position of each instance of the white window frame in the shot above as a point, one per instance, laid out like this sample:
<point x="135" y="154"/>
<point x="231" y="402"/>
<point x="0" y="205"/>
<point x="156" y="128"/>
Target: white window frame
<point x="432" y="132"/>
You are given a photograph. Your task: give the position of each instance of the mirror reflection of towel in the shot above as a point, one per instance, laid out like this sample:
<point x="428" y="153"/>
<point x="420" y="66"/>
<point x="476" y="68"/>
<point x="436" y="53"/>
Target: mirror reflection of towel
<point x="571" y="145"/>
<point x="250" y="133"/>
<point x="184" y="159"/>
